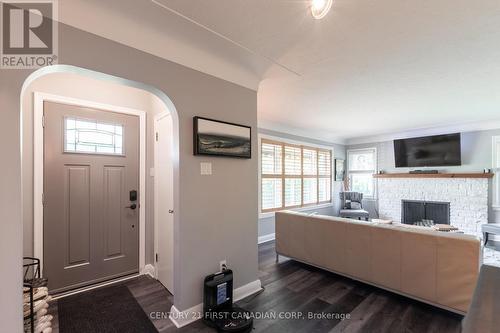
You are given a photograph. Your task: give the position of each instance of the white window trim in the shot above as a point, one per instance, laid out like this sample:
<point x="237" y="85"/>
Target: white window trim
<point x="294" y="142"/>
<point x="496" y="170"/>
<point x="348" y="171"/>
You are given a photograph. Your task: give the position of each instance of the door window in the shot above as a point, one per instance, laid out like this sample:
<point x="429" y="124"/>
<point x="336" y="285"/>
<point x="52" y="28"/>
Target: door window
<point x="92" y="137"/>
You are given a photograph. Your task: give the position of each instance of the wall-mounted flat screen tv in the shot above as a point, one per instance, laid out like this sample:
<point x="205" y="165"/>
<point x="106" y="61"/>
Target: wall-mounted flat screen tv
<point x="429" y="151"/>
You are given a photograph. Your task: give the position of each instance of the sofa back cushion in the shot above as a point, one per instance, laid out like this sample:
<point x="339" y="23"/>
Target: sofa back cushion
<point x="386" y="257"/>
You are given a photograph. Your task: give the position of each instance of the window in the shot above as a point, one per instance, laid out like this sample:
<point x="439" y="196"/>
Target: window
<point x="90" y="136"/>
<point x="294" y="176"/>
<point x="362" y="164"/>
<point x="496" y="170"/>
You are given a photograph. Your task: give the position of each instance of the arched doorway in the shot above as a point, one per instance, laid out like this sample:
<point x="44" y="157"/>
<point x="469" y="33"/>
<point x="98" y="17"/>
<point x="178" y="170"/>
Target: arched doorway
<point x="76" y="86"/>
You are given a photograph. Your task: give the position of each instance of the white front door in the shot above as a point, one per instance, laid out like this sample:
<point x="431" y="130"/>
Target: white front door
<point x="164" y="198"/>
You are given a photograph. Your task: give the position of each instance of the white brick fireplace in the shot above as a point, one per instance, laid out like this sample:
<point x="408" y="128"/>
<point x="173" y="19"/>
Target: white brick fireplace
<point x="468" y="198"/>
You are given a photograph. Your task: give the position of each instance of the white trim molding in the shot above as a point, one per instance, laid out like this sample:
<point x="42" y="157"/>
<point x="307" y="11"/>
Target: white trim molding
<point x="495" y="163"/>
<point x="186" y="317"/>
<point x="295" y="142"/>
<point x="247" y="290"/>
<point x="321" y="135"/>
<point x="149" y="270"/>
<point x="39" y="99"/>
<point x="266" y="238"/>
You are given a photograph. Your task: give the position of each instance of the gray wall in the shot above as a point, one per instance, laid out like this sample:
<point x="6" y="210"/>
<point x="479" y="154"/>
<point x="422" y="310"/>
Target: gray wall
<point x="209" y="210"/>
<point x="266" y="225"/>
<point x="476" y="156"/>
<point x="11" y="237"/>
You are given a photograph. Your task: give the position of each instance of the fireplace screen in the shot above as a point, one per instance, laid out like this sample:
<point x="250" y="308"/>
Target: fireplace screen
<point x="425" y="212"/>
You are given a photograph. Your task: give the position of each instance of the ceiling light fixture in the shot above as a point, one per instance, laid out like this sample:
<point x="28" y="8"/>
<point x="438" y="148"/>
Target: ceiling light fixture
<point x="319" y="8"/>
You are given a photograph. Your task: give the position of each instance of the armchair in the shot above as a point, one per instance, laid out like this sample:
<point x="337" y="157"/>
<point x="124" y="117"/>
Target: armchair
<point x="352" y="206"/>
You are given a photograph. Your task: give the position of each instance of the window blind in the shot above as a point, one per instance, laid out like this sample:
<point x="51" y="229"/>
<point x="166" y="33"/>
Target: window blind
<point x="294" y="175"/>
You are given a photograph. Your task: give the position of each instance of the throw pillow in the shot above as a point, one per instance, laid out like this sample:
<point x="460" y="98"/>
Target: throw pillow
<point x="355" y="205"/>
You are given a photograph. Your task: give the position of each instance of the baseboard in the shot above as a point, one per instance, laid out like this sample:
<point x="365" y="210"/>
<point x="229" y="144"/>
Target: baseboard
<point x="266" y="238"/>
<point x="149" y="270"/>
<point x="186" y="317"/>
<point x="246" y="290"/>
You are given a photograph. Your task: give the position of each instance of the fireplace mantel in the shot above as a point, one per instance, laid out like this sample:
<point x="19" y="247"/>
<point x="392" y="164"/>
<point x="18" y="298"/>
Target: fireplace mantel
<point x="434" y="175"/>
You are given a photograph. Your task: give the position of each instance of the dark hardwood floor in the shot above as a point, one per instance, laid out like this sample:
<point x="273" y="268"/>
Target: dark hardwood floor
<point x="293" y="288"/>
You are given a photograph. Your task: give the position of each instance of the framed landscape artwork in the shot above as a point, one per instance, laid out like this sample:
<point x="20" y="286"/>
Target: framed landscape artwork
<point x="339" y="170"/>
<point x="220" y="138"/>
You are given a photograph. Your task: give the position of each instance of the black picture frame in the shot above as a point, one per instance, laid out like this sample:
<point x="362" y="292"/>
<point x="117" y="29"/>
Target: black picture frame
<point x="339" y="170"/>
<point x="219" y="138"/>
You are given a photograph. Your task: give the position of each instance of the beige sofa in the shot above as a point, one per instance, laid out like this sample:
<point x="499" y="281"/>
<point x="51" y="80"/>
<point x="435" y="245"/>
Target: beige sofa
<point x="434" y="267"/>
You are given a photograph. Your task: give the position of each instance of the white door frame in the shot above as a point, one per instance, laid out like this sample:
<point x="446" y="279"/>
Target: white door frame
<point x="158" y="117"/>
<point x="39" y="98"/>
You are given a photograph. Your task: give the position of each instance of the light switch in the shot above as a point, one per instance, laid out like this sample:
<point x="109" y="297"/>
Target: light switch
<point x="205" y="168"/>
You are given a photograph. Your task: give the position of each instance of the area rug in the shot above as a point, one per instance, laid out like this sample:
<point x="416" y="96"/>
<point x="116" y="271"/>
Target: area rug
<point x="105" y="310"/>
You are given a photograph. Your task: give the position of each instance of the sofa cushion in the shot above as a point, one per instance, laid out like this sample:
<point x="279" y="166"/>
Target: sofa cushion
<point x="314" y="250"/>
<point x="357" y="241"/>
<point x="386" y="257"/>
<point x="353" y="212"/>
<point x="457" y="266"/>
<point x="292" y="241"/>
<point x="418" y="264"/>
<point x="355" y="205"/>
<point x="334" y="251"/>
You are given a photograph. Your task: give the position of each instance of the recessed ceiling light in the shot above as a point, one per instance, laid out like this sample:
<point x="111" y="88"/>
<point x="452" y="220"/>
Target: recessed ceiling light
<point x="319" y="8"/>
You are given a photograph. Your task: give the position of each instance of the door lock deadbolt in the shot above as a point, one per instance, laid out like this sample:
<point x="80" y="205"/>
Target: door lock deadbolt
<point x="133" y="195"/>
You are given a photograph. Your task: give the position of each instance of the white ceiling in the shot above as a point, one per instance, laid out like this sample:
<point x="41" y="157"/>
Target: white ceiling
<point x="368" y="68"/>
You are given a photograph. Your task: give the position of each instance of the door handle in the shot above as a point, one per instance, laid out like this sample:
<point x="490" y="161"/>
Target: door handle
<point x="170" y="211"/>
<point x="132" y="206"/>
